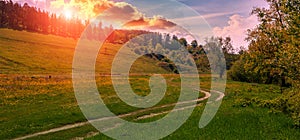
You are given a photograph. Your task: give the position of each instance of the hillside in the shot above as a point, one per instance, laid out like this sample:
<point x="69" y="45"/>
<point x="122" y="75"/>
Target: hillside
<point x="23" y="52"/>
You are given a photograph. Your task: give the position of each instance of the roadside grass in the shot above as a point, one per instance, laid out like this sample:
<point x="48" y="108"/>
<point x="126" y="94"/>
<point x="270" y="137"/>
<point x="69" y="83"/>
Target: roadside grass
<point x="38" y="104"/>
<point x="235" y="120"/>
<point x="52" y="105"/>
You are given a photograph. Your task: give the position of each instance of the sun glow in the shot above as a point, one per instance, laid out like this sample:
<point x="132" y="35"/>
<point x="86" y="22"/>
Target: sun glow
<point x="68" y="14"/>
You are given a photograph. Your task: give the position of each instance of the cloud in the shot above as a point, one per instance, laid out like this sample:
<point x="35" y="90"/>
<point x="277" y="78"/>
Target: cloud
<point x="121" y="12"/>
<point x="87" y="9"/>
<point x="237" y="29"/>
<point x="100" y="7"/>
<point x="209" y="7"/>
<point x="57" y="3"/>
<point x="84" y="9"/>
<point x="115" y="13"/>
<point x="155" y="23"/>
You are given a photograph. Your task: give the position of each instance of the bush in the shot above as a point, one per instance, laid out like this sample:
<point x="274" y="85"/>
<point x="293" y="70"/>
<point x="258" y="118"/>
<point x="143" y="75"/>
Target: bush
<point x="294" y="105"/>
<point x="288" y="103"/>
<point x="237" y="72"/>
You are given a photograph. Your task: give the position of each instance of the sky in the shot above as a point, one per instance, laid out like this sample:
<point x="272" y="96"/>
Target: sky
<point x="200" y="18"/>
<point x="228" y="17"/>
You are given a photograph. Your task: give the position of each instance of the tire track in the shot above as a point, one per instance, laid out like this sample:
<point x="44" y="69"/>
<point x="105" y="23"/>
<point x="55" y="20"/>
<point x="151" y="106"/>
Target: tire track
<point x="75" y="125"/>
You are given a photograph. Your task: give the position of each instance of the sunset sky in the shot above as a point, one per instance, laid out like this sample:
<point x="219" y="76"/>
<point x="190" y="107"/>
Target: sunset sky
<point x="225" y="17"/>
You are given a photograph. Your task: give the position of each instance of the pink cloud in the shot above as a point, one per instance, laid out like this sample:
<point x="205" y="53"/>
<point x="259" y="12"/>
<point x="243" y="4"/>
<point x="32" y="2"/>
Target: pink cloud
<point x="237" y="29"/>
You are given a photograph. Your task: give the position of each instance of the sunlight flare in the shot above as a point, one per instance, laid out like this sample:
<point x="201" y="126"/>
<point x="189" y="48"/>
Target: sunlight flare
<point x="68" y="14"/>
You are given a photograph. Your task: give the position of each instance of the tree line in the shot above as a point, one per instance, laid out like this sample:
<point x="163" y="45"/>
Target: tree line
<point x="32" y="19"/>
<point x="216" y="49"/>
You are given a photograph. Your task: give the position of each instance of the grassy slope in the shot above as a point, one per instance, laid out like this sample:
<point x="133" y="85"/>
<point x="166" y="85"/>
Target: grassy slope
<point x="32" y="53"/>
<point x="29" y="105"/>
<point x="23" y="52"/>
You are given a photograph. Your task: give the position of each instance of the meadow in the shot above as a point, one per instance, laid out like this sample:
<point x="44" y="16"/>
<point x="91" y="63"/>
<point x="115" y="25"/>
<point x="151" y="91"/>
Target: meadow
<point x="36" y="94"/>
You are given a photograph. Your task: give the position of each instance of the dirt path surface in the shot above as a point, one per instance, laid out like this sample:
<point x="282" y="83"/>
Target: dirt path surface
<point x="75" y="125"/>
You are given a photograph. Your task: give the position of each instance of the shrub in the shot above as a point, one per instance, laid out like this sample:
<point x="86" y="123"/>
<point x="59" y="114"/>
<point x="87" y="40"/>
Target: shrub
<point x="237" y="72"/>
<point x="288" y="103"/>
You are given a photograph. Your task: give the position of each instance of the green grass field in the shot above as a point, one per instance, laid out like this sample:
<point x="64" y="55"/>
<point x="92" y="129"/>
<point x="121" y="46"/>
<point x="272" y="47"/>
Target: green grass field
<point x="32" y="102"/>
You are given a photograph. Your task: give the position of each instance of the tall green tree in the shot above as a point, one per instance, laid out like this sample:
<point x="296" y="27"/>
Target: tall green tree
<point x="274" y="44"/>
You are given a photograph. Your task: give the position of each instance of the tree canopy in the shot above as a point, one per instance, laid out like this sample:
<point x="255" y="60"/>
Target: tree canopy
<point x="273" y="55"/>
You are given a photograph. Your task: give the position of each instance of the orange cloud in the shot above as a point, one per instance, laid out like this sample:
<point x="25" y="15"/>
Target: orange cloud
<point x="100" y="7"/>
<point x="155" y="23"/>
